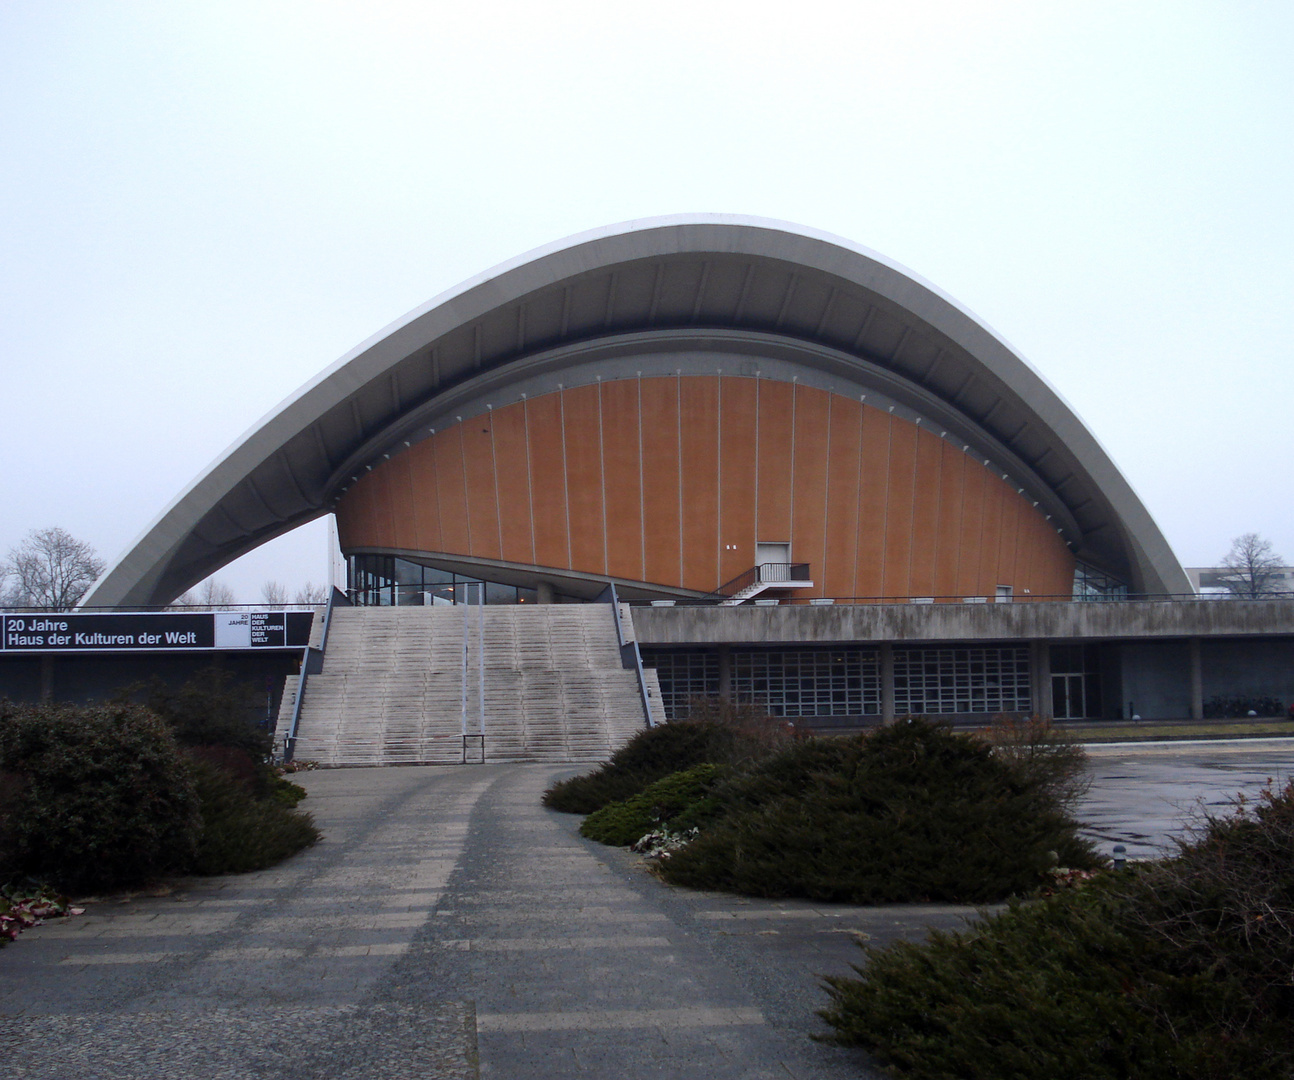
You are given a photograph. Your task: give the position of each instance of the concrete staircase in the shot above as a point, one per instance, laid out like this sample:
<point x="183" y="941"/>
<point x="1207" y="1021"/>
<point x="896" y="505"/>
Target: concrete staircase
<point x="391" y="688"/>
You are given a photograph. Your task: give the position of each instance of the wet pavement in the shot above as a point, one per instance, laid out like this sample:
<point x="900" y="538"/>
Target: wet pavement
<point x="1144" y="794"/>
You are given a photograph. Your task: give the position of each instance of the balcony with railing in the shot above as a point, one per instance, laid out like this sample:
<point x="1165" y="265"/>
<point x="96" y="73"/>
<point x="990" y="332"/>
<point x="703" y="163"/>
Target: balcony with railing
<point x="766" y="577"/>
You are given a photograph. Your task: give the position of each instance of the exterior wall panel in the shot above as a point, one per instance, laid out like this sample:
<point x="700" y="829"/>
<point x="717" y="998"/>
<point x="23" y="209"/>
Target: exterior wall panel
<point x="545" y="436"/>
<point x="773" y="451"/>
<point x="479" y="472"/>
<point x="952" y="470"/>
<point x="512" y="485"/>
<point x="583" y="420"/>
<point x="661" y="474"/>
<point x="423" y="484"/>
<point x="660" y="470"/>
<point x="809" y="478"/>
<point x="620" y="459"/>
<point x="455" y="526"/>
<point x="737" y="477"/>
<point x="699" y="436"/>
<point x="897" y="561"/>
<point x="874" y="472"/>
<point x="925" y="513"/>
<point x="843" y="478"/>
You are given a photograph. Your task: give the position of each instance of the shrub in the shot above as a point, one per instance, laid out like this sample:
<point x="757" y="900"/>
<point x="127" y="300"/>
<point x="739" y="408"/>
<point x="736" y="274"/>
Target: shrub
<point x="240" y="832"/>
<point x="717" y="732"/>
<point x="1044" y="753"/>
<point x="1180" y="969"/>
<point x="211" y="709"/>
<point x="681" y="800"/>
<point x="103" y="796"/>
<point x="910" y="812"/>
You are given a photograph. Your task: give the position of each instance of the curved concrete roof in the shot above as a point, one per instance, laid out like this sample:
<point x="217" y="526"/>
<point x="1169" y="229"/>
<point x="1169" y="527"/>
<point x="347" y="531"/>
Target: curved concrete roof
<point x="688" y="284"/>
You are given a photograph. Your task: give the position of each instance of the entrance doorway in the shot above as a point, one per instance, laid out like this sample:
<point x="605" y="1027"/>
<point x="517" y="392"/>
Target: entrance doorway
<point x="1075" y="682"/>
<point x="774" y="561"/>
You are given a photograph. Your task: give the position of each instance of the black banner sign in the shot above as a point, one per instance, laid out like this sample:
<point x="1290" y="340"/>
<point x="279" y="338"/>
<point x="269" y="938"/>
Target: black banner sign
<point x="160" y="631"/>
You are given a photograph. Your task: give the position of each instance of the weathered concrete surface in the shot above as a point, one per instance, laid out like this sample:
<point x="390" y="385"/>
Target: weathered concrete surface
<point x="1023" y="621"/>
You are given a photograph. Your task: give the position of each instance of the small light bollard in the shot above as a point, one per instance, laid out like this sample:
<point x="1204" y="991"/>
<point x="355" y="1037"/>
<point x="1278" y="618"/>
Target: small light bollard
<point x="1120" y="856"/>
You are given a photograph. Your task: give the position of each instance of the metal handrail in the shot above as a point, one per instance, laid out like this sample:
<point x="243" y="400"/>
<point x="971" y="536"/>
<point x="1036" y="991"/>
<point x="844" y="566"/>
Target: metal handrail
<point x="715" y="598"/>
<point x="631" y="656"/>
<point x="766" y="573"/>
<point x="290" y="739"/>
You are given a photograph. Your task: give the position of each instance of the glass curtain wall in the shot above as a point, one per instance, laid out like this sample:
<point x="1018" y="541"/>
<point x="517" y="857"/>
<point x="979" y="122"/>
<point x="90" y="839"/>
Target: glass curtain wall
<point x="387" y="581"/>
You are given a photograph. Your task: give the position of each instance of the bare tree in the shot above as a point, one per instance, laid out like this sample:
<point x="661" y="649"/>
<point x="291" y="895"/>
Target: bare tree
<point x="1251" y="567"/>
<point x="310" y="593"/>
<point x="50" y="569"/>
<point x="274" y="593"/>
<point x="215" y="594"/>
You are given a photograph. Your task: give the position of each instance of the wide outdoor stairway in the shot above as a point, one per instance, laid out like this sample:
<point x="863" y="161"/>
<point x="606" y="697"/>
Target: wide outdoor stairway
<point x="391" y="689"/>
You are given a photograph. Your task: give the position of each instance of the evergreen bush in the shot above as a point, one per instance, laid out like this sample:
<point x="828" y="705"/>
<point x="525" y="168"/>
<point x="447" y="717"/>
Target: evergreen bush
<point x="716" y="732"/>
<point x="103" y="796"/>
<point x="681" y="800"/>
<point x="241" y="832"/>
<point x="910" y="812"/>
<point x="210" y="709"/>
<point x="1178" y="969"/>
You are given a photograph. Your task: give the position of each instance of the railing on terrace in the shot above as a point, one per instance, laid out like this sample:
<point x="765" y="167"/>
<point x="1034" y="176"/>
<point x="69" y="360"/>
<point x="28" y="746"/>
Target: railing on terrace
<point x="716" y="598"/>
<point x="768" y="573"/>
<point x="148" y="609"/>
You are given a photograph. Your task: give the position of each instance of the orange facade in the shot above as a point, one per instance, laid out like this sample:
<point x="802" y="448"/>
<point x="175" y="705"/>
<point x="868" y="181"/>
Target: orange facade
<point x="673" y="481"/>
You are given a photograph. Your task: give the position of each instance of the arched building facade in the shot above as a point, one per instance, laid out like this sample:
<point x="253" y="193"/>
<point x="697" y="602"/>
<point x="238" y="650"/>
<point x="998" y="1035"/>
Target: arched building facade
<point x="666" y="405"/>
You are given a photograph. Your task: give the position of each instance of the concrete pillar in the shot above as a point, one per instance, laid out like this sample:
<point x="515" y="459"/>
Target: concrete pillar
<point x="46" y="678"/>
<point x="1197" y="681"/>
<point x="887" y="682"/>
<point x="725" y="673"/>
<point x="544" y="592"/>
<point x="1040" y="679"/>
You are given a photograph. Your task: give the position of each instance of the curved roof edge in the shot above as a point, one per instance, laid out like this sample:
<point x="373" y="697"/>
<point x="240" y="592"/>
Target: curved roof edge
<point x="151" y="568"/>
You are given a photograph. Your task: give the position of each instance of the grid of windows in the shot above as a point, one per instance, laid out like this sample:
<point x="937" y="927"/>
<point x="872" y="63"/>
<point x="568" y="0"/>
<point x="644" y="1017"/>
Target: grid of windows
<point x="807" y="682"/>
<point x="684" y="676"/>
<point x="967" y="680"/>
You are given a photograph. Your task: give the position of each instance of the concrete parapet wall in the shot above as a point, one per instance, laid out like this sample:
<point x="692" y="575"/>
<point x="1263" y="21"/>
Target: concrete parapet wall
<point x="1025" y="621"/>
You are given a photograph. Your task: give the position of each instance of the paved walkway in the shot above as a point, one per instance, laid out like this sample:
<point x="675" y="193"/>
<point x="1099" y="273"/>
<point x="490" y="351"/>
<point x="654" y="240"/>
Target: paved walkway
<point x="447" y="924"/>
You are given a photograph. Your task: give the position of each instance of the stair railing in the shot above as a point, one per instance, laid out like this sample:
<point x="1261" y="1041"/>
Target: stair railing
<point x="630" y="656"/>
<point x="309" y="661"/>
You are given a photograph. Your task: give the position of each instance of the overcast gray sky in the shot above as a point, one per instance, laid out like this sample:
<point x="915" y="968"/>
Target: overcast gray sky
<point x="204" y="204"/>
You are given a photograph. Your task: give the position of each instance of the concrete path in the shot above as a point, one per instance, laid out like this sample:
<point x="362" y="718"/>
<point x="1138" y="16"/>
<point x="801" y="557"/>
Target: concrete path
<point x="448" y="926"/>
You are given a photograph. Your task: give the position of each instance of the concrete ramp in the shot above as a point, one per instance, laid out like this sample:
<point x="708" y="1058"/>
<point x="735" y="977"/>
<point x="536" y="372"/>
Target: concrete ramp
<point x="391" y="691"/>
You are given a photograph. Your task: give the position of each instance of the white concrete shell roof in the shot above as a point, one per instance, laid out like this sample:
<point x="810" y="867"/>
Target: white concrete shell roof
<point x="686" y="288"/>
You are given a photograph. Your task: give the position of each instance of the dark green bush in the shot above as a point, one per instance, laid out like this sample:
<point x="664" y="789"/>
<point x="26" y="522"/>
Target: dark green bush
<point x="680" y="800"/>
<point x="1180" y="969"/>
<point x="103" y="796"/>
<point x="211" y="709"/>
<point x="910" y="812"/>
<point x="240" y="832"/>
<point x="717" y="732"/>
